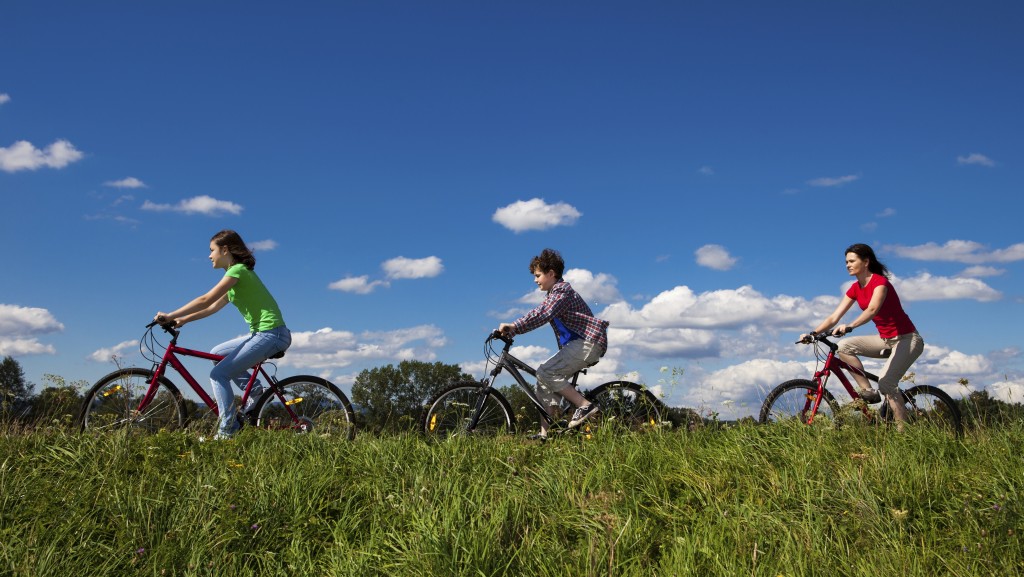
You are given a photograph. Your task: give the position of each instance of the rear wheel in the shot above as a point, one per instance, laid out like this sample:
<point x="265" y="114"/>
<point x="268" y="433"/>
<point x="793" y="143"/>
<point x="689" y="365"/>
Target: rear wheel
<point x="306" y="404"/>
<point x="113" y="403"/>
<point x="794" y="401"/>
<point x="929" y="405"/>
<point x="627" y="406"/>
<point x="452" y="410"/>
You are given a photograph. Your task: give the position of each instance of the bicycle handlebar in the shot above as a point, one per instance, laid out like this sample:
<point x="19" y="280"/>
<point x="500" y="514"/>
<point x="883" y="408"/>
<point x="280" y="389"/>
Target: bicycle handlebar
<point x="821" y="338"/>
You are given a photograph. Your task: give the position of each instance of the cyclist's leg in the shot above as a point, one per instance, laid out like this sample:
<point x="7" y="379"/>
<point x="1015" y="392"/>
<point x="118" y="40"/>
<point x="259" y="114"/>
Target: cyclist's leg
<point x="554" y="373"/>
<point x="851" y="348"/>
<point x="251" y="350"/>
<point x="226" y="348"/>
<point x="904" y="351"/>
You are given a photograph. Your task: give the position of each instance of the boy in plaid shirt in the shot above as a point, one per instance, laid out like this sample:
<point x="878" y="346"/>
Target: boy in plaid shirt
<point x="582" y="338"/>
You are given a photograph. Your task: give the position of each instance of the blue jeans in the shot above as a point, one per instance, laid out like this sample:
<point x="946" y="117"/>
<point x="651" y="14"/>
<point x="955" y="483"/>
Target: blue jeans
<point x="239" y="356"/>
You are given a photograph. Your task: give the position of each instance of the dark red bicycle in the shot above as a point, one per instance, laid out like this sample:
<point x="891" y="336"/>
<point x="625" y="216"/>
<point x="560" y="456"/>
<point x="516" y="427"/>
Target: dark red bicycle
<point x="145" y="400"/>
<point x="806" y="400"/>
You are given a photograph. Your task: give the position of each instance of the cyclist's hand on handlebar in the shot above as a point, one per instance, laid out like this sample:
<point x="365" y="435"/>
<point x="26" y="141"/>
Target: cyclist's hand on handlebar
<point x="805" y="338"/>
<point x="162" y="320"/>
<point x="506" y="329"/>
<point x="841" y="330"/>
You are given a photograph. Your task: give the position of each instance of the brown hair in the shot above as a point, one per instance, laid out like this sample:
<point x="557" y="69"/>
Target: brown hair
<point x="233" y="242"/>
<point x="866" y="253"/>
<point x="548" y="260"/>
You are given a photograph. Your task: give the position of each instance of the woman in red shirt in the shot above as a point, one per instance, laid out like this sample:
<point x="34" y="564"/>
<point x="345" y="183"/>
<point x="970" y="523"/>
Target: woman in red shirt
<point x="898" y="340"/>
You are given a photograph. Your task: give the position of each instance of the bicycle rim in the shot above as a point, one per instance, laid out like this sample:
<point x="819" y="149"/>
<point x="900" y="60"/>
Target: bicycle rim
<point x="452" y="412"/>
<point x="317" y="405"/>
<point x="793" y="401"/>
<point x="626" y="406"/>
<point x="112" y="404"/>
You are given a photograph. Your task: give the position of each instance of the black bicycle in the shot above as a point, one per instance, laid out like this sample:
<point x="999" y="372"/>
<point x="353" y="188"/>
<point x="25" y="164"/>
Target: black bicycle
<point x="478" y="408"/>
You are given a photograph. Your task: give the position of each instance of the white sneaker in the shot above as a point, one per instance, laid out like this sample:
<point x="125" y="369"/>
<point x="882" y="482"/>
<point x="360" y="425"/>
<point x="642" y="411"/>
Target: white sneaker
<point x="254" y="396"/>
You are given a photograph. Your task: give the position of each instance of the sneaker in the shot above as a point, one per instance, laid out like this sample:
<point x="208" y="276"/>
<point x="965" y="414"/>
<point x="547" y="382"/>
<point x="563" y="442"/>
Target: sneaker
<point x="582" y="414"/>
<point x="870" y="396"/>
<point x="538" y="437"/>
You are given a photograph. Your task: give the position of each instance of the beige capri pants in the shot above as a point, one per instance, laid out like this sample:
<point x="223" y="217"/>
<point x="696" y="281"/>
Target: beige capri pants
<point x="553" y="374"/>
<point x="900" y="351"/>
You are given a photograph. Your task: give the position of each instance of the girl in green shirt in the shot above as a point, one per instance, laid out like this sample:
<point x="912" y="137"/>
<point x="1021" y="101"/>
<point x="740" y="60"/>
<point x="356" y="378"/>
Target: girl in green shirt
<point x="268" y="333"/>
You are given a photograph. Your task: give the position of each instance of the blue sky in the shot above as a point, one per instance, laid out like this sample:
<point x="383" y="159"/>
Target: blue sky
<point x="700" y="165"/>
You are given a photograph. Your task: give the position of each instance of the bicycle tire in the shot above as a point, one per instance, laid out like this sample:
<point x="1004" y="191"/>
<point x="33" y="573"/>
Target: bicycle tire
<point x="112" y="402"/>
<point x="318" y="404"/>
<point x="931" y="405"/>
<point x="626" y="406"/>
<point x="794" y="399"/>
<point x="449" y="412"/>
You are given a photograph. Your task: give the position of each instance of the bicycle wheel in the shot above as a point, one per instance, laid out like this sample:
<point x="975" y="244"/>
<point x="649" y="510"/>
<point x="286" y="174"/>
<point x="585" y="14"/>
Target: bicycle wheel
<point x="627" y="406"/>
<point x="930" y="405"/>
<point x="317" y="404"/>
<point x="113" y="403"/>
<point x="794" y="401"/>
<point x="452" y="410"/>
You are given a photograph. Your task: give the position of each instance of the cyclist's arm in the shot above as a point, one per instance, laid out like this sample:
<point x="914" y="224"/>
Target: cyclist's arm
<point x="221" y="303"/>
<point x="205" y="305"/>
<point x="837" y="314"/>
<point x="877" y="298"/>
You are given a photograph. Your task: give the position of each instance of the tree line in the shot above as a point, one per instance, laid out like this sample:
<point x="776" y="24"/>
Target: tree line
<point x="388" y="399"/>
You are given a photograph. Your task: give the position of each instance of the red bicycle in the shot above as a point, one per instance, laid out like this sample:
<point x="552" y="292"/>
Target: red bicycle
<point x="805" y="400"/>
<point x="145" y="400"/>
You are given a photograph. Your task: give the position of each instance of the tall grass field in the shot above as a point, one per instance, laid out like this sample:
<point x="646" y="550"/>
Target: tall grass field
<point x="747" y="500"/>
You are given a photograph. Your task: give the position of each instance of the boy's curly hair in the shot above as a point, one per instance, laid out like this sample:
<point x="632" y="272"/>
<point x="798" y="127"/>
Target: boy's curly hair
<point x="548" y="260"/>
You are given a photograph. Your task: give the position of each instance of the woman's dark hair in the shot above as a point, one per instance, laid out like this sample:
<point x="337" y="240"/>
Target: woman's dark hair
<point x="548" y="260"/>
<point x="233" y="241"/>
<point x="864" y="252"/>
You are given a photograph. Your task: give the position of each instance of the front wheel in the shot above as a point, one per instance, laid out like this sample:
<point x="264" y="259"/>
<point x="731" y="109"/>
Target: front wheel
<point x="452" y="412"/>
<point x="115" y="402"/>
<point x="794" y="401"/>
<point x="627" y="406"/>
<point x="306" y="404"/>
<point x="931" y="405"/>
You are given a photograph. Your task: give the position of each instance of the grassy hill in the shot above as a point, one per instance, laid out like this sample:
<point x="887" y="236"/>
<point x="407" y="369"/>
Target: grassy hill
<point x="749" y="500"/>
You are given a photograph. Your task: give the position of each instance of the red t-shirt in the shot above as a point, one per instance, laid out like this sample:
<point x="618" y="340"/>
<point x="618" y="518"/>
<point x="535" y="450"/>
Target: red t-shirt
<point x="890" y="320"/>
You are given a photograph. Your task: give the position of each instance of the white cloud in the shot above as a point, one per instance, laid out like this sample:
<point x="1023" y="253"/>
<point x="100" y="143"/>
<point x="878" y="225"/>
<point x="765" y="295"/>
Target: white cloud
<point x="964" y="251"/>
<point x="405" y="268"/>
<point x="1008" y="391"/>
<point x="22" y="155"/>
<point x="18" y="347"/>
<point x="715" y="256"/>
<point x="357" y="284"/>
<point x="4" y="98"/>
<point x="706" y="170"/>
<point x="117" y="351"/>
<point x="925" y="287"/>
<point x="666" y="343"/>
<point x="727" y="308"/>
<point x="22" y="321"/>
<point x="263" y="245"/>
<point x="975" y="158"/>
<point x="887" y="213"/>
<point x="599" y="288"/>
<point x="205" y="205"/>
<point x="833" y="181"/>
<point x="981" y="271"/>
<point x="330" y="349"/>
<point x="535" y="214"/>
<point x="129" y="182"/>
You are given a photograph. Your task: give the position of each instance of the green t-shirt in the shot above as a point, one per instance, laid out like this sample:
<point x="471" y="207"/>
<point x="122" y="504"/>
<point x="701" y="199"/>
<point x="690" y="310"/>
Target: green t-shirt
<point x="253" y="300"/>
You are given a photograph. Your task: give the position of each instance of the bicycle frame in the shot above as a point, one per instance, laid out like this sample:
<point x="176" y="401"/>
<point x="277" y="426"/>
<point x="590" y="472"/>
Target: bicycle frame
<point x="170" y="358"/>
<point x="506" y="361"/>
<point x="833" y="365"/>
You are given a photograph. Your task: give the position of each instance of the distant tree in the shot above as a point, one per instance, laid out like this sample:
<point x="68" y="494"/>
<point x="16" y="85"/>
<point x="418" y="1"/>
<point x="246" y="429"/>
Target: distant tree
<point x="392" y="397"/>
<point x="15" y="391"/>
<point x="59" y="402"/>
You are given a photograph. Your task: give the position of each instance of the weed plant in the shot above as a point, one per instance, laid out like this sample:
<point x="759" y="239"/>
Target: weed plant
<point x="748" y="500"/>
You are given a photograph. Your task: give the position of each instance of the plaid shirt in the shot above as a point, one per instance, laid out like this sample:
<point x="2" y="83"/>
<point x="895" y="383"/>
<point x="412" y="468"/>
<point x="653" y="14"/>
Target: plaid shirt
<point x="565" y="304"/>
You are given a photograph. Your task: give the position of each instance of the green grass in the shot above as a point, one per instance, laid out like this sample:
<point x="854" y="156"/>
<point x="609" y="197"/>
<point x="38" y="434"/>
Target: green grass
<point x="773" y="500"/>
